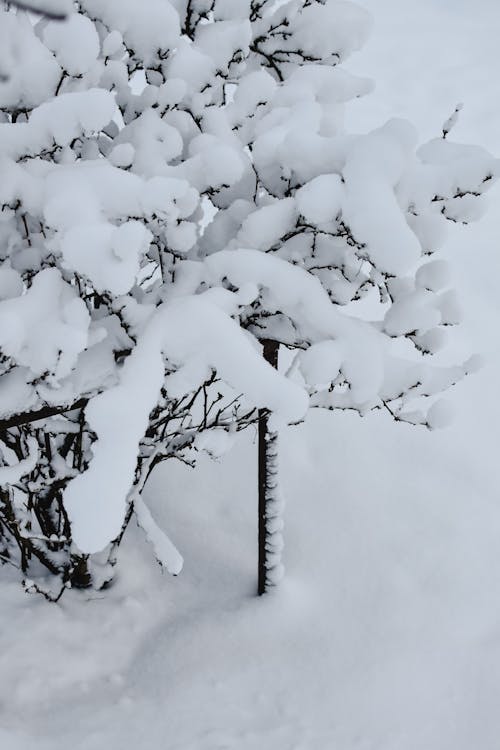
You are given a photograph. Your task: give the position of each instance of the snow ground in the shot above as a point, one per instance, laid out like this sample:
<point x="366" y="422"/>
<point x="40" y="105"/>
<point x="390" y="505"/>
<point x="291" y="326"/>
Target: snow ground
<point x="386" y="632"/>
<point x="385" y="635"/>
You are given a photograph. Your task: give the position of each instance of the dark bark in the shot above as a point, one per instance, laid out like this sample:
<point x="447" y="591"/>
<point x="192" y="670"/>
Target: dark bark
<point x="270" y="351"/>
<point x="17" y="420"/>
<point x="80" y="575"/>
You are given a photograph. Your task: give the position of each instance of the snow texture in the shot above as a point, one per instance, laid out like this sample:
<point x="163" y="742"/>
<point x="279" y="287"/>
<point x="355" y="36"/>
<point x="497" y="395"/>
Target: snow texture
<point x="384" y="634"/>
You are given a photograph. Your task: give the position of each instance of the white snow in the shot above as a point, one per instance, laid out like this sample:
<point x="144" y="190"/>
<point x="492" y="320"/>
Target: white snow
<point x="153" y="25"/>
<point x="29" y="73"/>
<point x="108" y="255"/>
<point x="11" y="474"/>
<point x="383" y="635"/>
<point x="11" y="283"/>
<point x="74" y="42"/>
<point x="433" y="276"/>
<point x="46" y="328"/>
<point x="165" y="552"/>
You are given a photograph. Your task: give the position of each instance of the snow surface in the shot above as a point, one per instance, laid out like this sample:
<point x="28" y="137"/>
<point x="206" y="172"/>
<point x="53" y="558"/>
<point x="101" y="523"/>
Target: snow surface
<point x="385" y="633"/>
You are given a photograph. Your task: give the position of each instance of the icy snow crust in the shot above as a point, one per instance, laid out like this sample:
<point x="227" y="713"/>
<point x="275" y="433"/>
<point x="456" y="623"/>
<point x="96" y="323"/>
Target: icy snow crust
<point x="178" y="186"/>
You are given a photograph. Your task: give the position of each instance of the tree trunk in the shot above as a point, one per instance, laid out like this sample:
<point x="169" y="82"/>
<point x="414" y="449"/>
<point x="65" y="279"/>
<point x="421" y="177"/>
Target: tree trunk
<point x="80" y="576"/>
<point x="270" y="569"/>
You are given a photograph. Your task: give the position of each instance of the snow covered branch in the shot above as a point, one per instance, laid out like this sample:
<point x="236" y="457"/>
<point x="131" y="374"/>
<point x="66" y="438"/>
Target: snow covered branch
<point x="18" y="420"/>
<point x="55" y="10"/>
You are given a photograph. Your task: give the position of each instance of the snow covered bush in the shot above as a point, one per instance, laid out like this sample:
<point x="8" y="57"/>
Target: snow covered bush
<point x="107" y="365"/>
<point x="180" y="200"/>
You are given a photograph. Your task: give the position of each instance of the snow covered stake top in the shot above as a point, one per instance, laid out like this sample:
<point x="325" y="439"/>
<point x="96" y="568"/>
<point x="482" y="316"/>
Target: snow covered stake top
<point x="179" y="200"/>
